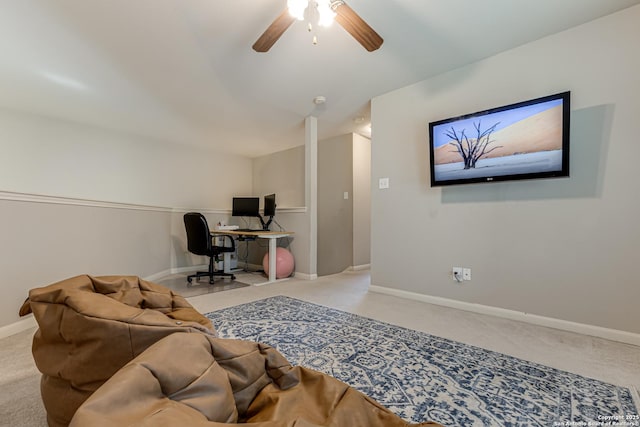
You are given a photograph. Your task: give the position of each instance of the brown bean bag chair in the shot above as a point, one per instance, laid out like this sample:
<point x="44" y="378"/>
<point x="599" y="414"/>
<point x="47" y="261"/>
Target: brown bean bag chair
<point x="197" y="380"/>
<point x="89" y="327"/>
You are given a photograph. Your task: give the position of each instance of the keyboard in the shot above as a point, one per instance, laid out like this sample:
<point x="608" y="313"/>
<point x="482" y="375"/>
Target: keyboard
<point x="253" y="230"/>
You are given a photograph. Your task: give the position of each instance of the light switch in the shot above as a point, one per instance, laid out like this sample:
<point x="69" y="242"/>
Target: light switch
<point x="346" y="195"/>
<point x="383" y="183"/>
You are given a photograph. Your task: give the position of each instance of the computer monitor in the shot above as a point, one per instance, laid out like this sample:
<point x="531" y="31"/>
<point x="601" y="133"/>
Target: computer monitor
<point x="246" y="206"/>
<point x="270" y="205"/>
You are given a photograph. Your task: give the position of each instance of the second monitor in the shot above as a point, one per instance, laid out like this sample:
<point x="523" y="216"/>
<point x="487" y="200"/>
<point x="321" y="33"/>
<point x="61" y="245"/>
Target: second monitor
<point x="270" y="205"/>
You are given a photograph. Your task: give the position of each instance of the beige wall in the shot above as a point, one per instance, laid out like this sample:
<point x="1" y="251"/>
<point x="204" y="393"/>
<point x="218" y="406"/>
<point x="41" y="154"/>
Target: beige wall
<point x="344" y="225"/>
<point x="565" y="248"/>
<point x="335" y="213"/>
<point x="281" y="173"/>
<point x="59" y="158"/>
<point x="43" y="243"/>
<point x="70" y="199"/>
<point x="361" y="201"/>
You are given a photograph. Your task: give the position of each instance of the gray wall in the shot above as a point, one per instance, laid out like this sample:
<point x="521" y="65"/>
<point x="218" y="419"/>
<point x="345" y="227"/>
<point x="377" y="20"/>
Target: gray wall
<point x="281" y="173"/>
<point x="43" y="243"/>
<point x="361" y="202"/>
<point x="335" y="213"/>
<point x="564" y="248"/>
<point x="344" y="225"/>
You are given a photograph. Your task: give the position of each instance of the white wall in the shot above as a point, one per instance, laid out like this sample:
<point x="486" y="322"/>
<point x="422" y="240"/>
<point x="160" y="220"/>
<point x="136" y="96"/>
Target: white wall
<point x="55" y="178"/>
<point x="565" y="248"/>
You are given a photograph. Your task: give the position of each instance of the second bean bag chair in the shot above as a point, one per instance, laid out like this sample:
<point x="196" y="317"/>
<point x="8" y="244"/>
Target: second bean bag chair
<point x="216" y="382"/>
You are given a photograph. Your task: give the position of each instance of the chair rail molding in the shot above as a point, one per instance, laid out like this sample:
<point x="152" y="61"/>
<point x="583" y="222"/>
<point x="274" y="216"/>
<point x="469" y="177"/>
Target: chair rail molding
<point x="60" y="200"/>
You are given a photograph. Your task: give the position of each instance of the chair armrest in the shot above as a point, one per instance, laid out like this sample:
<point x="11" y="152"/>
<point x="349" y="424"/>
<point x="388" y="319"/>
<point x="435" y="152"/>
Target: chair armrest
<point x="231" y="248"/>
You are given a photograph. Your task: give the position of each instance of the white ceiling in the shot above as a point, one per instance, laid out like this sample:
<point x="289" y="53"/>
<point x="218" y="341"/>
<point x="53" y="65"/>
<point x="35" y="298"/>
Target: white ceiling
<point x="184" y="71"/>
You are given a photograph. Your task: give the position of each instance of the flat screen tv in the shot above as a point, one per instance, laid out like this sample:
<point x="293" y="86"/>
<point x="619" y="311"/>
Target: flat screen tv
<point x="526" y="140"/>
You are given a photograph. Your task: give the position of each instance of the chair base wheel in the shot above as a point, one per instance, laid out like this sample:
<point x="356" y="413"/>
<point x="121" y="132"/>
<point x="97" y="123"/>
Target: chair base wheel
<point x="211" y="278"/>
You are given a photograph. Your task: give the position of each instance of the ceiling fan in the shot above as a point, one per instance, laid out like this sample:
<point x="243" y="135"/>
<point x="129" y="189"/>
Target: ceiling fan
<point x="344" y="15"/>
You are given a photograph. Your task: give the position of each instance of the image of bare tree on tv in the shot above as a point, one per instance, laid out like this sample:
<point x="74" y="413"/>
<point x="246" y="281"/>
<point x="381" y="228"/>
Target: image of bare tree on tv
<point x="473" y="149"/>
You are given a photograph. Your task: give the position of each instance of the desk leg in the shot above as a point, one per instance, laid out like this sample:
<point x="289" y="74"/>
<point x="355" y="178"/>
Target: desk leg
<point x="272" y="260"/>
<point x="226" y="258"/>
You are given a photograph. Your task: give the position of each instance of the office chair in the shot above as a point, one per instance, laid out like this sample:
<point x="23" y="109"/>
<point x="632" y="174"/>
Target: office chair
<point x="200" y="242"/>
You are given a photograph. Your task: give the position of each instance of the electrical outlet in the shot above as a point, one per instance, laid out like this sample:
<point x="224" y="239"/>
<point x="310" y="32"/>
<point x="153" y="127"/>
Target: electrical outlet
<point x="466" y="274"/>
<point x="456" y="273"/>
<point x="383" y="183"/>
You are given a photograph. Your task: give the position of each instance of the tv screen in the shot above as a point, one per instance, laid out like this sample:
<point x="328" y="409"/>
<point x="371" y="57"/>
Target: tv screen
<point x="525" y="140"/>
<point x="245" y="206"/>
<point x="270" y="205"/>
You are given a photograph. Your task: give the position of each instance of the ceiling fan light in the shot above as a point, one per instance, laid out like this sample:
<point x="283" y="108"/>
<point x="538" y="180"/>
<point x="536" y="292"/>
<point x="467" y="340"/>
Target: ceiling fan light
<point x="297" y="8"/>
<point x="326" y="14"/>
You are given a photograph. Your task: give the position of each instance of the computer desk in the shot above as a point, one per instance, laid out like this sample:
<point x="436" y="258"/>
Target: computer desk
<point x="272" y="236"/>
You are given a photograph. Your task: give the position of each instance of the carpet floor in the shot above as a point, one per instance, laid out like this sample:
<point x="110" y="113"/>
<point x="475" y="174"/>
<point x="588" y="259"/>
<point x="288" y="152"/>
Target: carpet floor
<point x="423" y="377"/>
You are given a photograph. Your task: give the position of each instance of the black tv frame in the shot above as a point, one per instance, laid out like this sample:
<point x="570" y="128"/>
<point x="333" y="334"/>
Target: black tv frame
<point x="563" y="165"/>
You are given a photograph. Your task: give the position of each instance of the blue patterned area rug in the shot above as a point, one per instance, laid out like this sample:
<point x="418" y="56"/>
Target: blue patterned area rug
<point x="422" y="377"/>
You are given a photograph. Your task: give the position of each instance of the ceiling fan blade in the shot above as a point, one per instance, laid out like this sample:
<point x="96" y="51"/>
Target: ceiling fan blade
<point x="273" y="33"/>
<point x="360" y="30"/>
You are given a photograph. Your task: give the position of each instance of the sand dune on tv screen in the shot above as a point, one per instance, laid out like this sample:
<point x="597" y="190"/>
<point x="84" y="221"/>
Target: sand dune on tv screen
<point x="540" y="132"/>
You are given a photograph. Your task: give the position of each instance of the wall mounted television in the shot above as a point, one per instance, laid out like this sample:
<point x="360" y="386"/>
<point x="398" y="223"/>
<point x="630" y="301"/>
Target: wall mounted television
<point x="526" y="140"/>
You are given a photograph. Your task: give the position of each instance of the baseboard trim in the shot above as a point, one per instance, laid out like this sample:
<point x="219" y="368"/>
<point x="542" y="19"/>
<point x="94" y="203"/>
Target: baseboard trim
<point x="30" y="321"/>
<point x="17" y="327"/>
<point x="361" y="267"/>
<point x="254" y="267"/>
<point x="305" y="276"/>
<point x="158" y="276"/>
<point x="549" y="322"/>
<point x="176" y="270"/>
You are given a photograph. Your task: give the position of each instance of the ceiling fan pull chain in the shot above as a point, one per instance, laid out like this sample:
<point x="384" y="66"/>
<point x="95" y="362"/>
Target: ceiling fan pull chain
<point x="311" y="29"/>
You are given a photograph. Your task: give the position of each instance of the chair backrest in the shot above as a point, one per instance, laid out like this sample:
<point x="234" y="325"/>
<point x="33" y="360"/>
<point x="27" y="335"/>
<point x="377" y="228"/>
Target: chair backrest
<point x="198" y="233"/>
